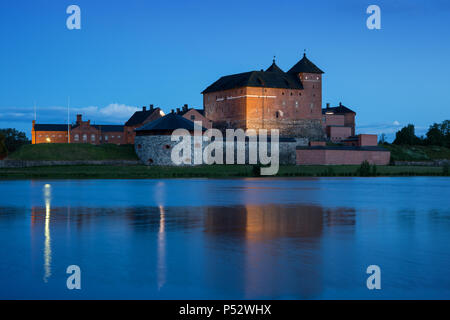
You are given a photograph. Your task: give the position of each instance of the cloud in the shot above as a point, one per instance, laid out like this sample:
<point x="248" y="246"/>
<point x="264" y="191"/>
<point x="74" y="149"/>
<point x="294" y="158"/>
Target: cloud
<point x="116" y="113"/>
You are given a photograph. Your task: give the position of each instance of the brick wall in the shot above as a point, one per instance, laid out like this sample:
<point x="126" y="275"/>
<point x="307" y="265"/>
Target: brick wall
<point x="194" y="115"/>
<point x="337" y="134"/>
<point x="341" y="157"/>
<point x="49" y="136"/>
<point x="367" y="140"/>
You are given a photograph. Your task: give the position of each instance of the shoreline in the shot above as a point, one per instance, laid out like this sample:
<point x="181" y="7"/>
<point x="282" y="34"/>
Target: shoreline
<point x="205" y="171"/>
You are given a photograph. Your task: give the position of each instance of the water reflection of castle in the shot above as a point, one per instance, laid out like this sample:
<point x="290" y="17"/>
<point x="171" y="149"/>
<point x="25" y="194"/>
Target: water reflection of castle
<point x="268" y="251"/>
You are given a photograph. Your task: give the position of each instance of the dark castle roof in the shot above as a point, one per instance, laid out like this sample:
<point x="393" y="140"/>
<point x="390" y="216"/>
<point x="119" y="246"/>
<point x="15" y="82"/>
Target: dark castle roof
<point x="340" y="109"/>
<point x="63" y="127"/>
<point x="169" y="122"/>
<point x="274" y="68"/>
<point x="273" y="77"/>
<point x="50" y="127"/>
<point x="140" y="116"/>
<point x="305" y="65"/>
<point x="256" y="79"/>
<point x="109" y="128"/>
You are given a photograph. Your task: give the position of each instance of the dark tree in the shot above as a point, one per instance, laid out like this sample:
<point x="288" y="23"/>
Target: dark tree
<point x="435" y="136"/>
<point x="3" y="150"/>
<point x="439" y="134"/>
<point x="407" y="136"/>
<point x="14" y="139"/>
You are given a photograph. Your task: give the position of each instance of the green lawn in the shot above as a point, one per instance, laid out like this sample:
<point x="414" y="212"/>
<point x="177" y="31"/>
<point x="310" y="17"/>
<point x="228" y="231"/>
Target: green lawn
<point x="74" y="152"/>
<point x="417" y="153"/>
<point x="214" y="171"/>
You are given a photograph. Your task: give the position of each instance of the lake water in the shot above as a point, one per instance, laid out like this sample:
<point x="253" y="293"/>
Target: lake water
<point x="226" y="239"/>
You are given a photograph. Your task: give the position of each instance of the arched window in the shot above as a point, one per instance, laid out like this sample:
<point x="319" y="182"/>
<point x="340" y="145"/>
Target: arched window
<point x="84" y="137"/>
<point x="77" y="137"/>
<point x="93" y="137"/>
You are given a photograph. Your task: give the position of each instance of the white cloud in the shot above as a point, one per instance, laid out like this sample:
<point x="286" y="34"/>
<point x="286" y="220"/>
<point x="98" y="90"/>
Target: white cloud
<point x="112" y="113"/>
<point x="396" y="123"/>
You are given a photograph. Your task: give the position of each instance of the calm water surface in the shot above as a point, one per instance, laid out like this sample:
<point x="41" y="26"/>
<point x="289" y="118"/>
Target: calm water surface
<point x="226" y="239"/>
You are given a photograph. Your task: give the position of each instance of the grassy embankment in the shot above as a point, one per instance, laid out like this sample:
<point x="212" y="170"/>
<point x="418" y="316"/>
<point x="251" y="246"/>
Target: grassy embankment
<point x="417" y="153"/>
<point x="111" y="152"/>
<point x="74" y="152"/>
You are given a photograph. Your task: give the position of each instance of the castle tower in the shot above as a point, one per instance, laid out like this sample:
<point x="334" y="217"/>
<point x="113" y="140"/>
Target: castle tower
<point x="311" y="77"/>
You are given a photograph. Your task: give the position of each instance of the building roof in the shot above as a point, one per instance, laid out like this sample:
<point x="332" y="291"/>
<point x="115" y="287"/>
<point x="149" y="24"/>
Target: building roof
<point x="274" y="68"/>
<point x="305" y="66"/>
<point x="169" y="122"/>
<point x="266" y="79"/>
<point x="109" y="128"/>
<point x="63" y="127"/>
<point x="365" y="148"/>
<point x="340" y="109"/>
<point x="140" y="116"/>
<point x="50" y="127"/>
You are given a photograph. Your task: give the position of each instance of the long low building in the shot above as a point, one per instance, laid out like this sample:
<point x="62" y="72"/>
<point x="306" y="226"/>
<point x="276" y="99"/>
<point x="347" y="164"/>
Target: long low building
<point x="342" y="155"/>
<point x="80" y="132"/>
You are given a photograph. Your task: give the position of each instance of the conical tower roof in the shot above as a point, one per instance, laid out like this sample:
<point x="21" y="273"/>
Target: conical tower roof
<point x="274" y="68"/>
<point x="305" y="66"/>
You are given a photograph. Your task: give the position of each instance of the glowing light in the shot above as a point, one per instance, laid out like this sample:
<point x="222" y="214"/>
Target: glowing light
<point x="47" y="237"/>
<point x="161" y="271"/>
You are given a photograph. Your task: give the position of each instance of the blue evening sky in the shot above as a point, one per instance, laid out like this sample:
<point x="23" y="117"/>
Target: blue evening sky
<point x="135" y="52"/>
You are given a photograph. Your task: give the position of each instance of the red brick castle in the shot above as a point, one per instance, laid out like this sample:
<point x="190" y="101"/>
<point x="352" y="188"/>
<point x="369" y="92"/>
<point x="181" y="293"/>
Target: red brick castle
<point x="272" y="99"/>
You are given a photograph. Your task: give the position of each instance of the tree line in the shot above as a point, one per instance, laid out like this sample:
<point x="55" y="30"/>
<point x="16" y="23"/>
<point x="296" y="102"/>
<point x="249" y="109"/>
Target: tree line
<point x="11" y="140"/>
<point x="438" y="134"/>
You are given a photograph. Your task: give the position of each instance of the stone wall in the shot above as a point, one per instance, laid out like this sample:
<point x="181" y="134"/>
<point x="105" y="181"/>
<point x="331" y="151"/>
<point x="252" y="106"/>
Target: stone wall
<point x="49" y="163"/>
<point x="157" y="150"/>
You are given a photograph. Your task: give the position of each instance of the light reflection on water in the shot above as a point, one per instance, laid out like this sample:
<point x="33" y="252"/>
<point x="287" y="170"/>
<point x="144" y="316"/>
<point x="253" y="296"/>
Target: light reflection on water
<point x="272" y="248"/>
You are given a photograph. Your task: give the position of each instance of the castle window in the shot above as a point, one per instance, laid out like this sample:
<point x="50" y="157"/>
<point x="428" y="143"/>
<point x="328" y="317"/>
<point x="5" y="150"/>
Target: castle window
<point x="291" y="93"/>
<point x="282" y="93"/>
<point x="77" y="137"/>
<point x="106" y="138"/>
<point x="296" y="104"/>
<point x="192" y="117"/>
<point x="93" y="137"/>
<point x="84" y="137"/>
